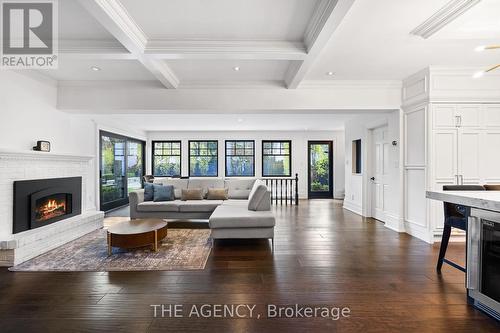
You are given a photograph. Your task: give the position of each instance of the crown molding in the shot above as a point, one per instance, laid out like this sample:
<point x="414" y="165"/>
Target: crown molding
<point x="93" y="49"/>
<point x="351" y="84"/>
<point x="115" y="18"/>
<point x="443" y="17"/>
<point x="326" y="18"/>
<point x="225" y="49"/>
<point x="122" y="19"/>
<point x="321" y="14"/>
<point x="270" y="84"/>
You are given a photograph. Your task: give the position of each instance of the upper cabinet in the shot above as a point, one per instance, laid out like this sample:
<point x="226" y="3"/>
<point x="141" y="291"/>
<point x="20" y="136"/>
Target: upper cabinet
<point x="467" y="116"/>
<point x="491" y="116"/>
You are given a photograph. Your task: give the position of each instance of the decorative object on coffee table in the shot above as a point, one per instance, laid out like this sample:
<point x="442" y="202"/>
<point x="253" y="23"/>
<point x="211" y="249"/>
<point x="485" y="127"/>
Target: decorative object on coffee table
<point x="136" y="233"/>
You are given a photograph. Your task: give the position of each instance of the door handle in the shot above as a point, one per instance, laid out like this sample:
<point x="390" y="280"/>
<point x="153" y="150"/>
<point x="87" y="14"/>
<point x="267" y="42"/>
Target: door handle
<point x="373" y="178"/>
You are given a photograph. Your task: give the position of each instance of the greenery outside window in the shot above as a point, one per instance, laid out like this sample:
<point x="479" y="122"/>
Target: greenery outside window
<point x="167" y="158"/>
<point x="276" y="158"/>
<point x="203" y="158"/>
<point x="240" y="158"/>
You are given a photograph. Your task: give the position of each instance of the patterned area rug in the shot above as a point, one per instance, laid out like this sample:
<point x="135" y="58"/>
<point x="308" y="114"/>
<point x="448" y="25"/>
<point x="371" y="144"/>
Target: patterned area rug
<point x="182" y="249"/>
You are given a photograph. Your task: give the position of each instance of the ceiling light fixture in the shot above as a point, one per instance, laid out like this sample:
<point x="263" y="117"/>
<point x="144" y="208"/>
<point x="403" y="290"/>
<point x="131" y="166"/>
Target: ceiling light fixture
<point x="330" y="73"/>
<point x="477" y="75"/>
<point x="236" y="68"/>
<point x="95" y="68"/>
<point x="240" y="120"/>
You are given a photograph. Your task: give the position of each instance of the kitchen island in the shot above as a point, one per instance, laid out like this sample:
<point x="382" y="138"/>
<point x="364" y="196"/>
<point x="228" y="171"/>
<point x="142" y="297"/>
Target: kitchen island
<point x="483" y="246"/>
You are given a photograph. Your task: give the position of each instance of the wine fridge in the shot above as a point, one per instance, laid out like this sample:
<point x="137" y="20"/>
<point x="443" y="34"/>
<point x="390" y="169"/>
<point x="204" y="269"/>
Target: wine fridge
<point x="483" y="261"/>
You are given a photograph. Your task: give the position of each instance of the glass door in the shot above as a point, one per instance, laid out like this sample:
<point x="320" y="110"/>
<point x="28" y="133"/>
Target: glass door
<point x="135" y="165"/>
<point x="320" y="169"/>
<point x="121" y="169"/>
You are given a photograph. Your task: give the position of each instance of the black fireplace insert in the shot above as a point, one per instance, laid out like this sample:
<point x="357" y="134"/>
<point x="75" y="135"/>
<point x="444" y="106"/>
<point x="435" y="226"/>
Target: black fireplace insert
<point x="44" y="201"/>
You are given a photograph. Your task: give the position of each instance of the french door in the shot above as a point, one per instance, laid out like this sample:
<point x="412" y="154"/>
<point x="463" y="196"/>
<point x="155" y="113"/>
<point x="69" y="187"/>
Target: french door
<point x="121" y="168"/>
<point x="320" y="169"/>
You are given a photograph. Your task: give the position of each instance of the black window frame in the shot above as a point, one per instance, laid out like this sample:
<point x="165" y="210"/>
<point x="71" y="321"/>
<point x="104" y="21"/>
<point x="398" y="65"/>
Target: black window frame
<point x="110" y="205"/>
<point x="216" y="156"/>
<point x="289" y="156"/>
<point x="153" y="156"/>
<point x="226" y="156"/>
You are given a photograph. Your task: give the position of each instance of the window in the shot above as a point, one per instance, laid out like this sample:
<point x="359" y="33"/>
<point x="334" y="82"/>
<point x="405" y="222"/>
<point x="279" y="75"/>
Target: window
<point x="240" y="158"/>
<point x="356" y="156"/>
<point x="167" y="158"/>
<point x="276" y="159"/>
<point x="203" y="159"/>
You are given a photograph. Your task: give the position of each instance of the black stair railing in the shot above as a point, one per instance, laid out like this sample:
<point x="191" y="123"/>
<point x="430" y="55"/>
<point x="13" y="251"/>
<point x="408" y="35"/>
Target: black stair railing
<point x="283" y="190"/>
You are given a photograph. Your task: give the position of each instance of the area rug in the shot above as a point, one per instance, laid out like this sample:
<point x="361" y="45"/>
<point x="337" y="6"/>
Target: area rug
<point x="182" y="249"/>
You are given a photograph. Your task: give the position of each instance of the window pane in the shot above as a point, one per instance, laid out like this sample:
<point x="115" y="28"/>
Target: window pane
<point x="167" y="161"/>
<point x="203" y="166"/>
<point x="276" y="165"/>
<point x="239" y="166"/>
<point x="267" y="145"/>
<point x="167" y="166"/>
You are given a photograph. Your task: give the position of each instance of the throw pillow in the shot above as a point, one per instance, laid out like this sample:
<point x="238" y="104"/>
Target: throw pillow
<point x="192" y="194"/>
<point x="148" y="192"/>
<point x="163" y="193"/>
<point x="217" y="193"/>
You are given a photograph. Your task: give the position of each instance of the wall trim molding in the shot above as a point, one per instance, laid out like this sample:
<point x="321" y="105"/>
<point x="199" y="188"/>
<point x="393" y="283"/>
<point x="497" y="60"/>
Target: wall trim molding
<point x="443" y="17"/>
<point x="352" y="207"/>
<point x="36" y="155"/>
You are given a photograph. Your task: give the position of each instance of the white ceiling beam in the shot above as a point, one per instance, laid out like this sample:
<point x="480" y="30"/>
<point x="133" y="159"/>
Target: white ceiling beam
<point x="115" y="18"/>
<point x="326" y="19"/>
<point x="443" y="17"/>
<point x="93" y="49"/>
<point x="216" y="49"/>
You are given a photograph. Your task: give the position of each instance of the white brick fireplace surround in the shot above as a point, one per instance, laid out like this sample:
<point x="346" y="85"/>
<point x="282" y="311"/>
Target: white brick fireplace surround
<point x="27" y="165"/>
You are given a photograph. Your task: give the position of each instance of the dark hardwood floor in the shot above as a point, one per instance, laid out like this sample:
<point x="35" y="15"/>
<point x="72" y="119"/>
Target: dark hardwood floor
<point x="324" y="256"/>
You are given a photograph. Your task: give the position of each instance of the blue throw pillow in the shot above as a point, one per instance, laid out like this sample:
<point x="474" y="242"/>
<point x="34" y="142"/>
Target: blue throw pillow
<point x="163" y="193"/>
<point x="148" y="192"/>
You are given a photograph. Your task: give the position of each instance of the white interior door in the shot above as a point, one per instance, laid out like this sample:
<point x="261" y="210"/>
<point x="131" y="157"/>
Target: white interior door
<point x="380" y="170"/>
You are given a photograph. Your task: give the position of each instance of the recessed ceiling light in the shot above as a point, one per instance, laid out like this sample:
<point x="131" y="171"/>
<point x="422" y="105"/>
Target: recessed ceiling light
<point x="236" y="68"/>
<point x="479" y="74"/>
<point x="330" y="73"/>
<point x="480" y="48"/>
<point x="95" y="68"/>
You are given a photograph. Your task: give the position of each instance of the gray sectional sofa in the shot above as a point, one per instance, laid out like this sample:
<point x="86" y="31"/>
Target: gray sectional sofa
<point x="246" y="214"/>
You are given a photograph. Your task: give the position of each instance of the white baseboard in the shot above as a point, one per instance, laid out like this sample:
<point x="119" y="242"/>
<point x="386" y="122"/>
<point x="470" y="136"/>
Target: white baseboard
<point x="395" y="223"/>
<point x="418" y="232"/>
<point x="352" y="207"/>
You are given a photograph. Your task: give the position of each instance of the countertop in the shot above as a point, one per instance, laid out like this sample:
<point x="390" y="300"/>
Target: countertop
<point x="488" y="200"/>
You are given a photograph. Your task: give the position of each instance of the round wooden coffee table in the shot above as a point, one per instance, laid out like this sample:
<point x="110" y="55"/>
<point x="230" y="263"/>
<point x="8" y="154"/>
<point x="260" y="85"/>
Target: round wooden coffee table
<point x="137" y="233"/>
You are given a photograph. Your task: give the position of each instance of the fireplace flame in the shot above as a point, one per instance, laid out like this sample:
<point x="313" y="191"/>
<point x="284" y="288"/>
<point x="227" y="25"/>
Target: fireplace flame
<point x="50" y="209"/>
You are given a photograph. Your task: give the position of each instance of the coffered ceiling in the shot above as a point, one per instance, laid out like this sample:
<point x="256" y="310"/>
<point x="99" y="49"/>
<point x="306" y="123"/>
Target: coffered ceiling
<point x="184" y="44"/>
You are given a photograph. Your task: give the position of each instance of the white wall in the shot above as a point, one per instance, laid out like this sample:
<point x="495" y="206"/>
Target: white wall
<point x="299" y="150"/>
<point x="28" y="113"/>
<point x="358" y="186"/>
<point x="28" y="109"/>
